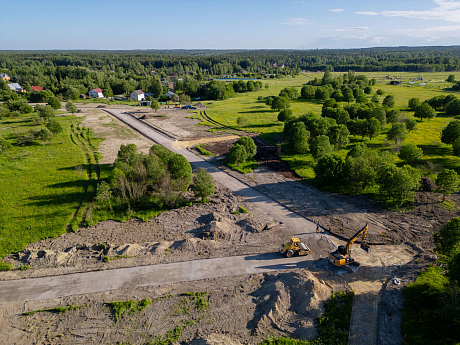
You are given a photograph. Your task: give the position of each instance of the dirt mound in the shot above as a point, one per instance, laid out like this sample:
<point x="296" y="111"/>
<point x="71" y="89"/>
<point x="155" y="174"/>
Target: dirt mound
<point x="126" y="249"/>
<point x="215" y="339"/>
<point x="219" y="227"/>
<point x="200" y="105"/>
<point x="256" y="225"/>
<point x="284" y="297"/>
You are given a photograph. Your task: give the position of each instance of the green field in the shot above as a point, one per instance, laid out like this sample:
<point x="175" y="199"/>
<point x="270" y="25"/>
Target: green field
<point x="260" y="118"/>
<point x="41" y="184"/>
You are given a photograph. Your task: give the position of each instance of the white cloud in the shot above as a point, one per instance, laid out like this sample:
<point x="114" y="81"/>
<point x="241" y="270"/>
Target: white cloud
<point x="359" y="28"/>
<point x="299" y="2"/>
<point x="447" y="10"/>
<point x="368" y="13"/>
<point x="379" y="39"/>
<point x="337" y="10"/>
<point x="443" y="28"/>
<point x="297" y="22"/>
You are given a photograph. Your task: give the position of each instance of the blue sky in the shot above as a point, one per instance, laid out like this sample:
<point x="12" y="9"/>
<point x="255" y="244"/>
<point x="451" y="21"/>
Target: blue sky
<point x="216" y="24"/>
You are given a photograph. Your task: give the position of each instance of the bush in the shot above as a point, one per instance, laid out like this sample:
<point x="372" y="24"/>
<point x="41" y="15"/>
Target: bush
<point x="320" y="146"/>
<point x="181" y="171"/>
<point x="241" y="121"/>
<point x="54" y="126"/>
<point x="447" y="240"/>
<point x="5" y="146"/>
<point x="249" y="145"/>
<point x="203" y="185"/>
<point x="298" y="137"/>
<point x="410" y="153"/>
<point x="54" y="103"/>
<point x="329" y="170"/>
<point x="285" y="115"/>
<point x="237" y="154"/>
<point x="44" y="135"/>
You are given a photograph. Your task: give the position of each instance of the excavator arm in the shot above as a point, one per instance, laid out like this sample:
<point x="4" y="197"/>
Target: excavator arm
<point x="352" y="240"/>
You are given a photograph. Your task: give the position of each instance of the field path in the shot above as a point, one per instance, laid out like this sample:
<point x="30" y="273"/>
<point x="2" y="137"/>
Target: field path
<point x="132" y="277"/>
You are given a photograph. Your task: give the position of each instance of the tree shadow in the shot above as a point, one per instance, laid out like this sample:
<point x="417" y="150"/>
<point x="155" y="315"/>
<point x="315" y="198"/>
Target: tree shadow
<point x="262" y="126"/>
<point x="436" y="150"/>
<point x="257" y="111"/>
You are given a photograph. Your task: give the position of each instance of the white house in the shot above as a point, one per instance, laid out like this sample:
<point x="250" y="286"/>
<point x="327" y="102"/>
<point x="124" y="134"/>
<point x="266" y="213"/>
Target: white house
<point x="15" y="87"/>
<point x="137" y="96"/>
<point x="96" y="93"/>
<point x="169" y="94"/>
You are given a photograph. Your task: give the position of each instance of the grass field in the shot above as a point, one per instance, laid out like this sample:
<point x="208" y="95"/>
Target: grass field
<point x="261" y="119"/>
<point x="41" y="184"/>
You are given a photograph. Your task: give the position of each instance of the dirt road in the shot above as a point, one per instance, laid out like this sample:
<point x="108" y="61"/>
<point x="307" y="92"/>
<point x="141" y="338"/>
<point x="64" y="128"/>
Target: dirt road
<point x="133" y="277"/>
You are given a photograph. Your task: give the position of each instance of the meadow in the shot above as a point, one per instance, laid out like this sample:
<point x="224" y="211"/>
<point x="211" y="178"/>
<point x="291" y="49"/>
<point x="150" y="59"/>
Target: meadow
<point x="260" y="118"/>
<point x="43" y="185"/>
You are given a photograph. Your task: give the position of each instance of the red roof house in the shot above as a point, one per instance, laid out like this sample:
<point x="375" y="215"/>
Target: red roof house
<point x="36" y="88"/>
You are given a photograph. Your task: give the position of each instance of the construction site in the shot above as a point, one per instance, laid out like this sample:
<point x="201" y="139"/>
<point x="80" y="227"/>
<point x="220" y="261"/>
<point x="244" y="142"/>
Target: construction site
<point x="257" y="261"/>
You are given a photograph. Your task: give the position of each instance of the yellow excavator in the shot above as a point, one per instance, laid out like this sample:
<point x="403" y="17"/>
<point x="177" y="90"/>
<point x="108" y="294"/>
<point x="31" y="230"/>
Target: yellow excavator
<point x="293" y="247"/>
<point x="341" y="257"/>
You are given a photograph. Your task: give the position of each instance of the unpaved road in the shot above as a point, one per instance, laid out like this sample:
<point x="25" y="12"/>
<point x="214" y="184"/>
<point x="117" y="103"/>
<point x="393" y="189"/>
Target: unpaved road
<point x="133" y="277"/>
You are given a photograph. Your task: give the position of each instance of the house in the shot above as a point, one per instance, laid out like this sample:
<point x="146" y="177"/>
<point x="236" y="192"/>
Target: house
<point x="15" y="87"/>
<point x="96" y="93"/>
<point x="395" y="82"/>
<point x="36" y="88"/>
<point x="169" y="94"/>
<point x="137" y="95"/>
<point x="4" y="77"/>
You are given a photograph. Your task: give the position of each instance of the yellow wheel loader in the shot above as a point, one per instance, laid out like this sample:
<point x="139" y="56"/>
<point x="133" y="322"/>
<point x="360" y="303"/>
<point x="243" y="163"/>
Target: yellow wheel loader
<point x="341" y="257"/>
<point x="294" y="247"/>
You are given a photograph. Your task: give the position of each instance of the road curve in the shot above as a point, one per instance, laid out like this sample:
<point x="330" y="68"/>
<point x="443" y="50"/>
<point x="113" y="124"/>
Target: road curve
<point x="162" y="274"/>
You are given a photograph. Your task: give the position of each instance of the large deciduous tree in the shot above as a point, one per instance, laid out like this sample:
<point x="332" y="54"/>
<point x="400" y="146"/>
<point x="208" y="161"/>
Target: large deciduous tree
<point x="447" y="182"/>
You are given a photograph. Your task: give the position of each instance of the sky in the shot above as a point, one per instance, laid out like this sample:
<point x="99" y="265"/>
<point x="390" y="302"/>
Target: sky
<point x="232" y="24"/>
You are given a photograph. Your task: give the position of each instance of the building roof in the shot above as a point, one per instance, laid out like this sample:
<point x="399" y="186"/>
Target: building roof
<point x="97" y="90"/>
<point x="14" y="86"/>
<point x="3" y="75"/>
<point x="169" y="93"/>
<point x="138" y="92"/>
<point x="36" y="88"/>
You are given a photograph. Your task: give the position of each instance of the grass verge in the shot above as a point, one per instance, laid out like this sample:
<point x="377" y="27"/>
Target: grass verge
<point x="128" y="307"/>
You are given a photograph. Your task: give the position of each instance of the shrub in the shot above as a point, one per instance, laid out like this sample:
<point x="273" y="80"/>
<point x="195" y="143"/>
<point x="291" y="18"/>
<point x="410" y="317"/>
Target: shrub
<point x="241" y="121"/>
<point x="320" y="146"/>
<point x="249" y="145"/>
<point x="54" y="103"/>
<point x="298" y="137"/>
<point x="410" y="153"/>
<point x="5" y="146"/>
<point x="44" y="135"/>
<point x="203" y="185"/>
<point x="237" y="154"/>
<point x="181" y="171"/>
<point x="54" y="126"/>
<point x="285" y="115"/>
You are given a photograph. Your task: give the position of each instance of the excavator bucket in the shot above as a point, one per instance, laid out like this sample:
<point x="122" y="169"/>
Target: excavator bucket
<point x="365" y="247"/>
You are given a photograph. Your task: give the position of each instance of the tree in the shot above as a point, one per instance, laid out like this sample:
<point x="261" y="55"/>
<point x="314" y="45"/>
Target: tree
<point x="451" y="133"/>
<point x="285" y="115"/>
<point x="249" y="145"/>
<point x="203" y="185"/>
<point x="411" y="124"/>
<point x="181" y="171"/>
<point x="54" y="103"/>
<point x="447" y="240"/>
<point x="308" y="91"/>
<point x="380" y="114"/>
<point x="44" y="111"/>
<point x="298" y="137"/>
<point x="398" y="183"/>
<point x="328" y="171"/>
<point x="380" y="92"/>
<point x="337" y="96"/>
<point x="339" y="136"/>
<point x="389" y="101"/>
<point x="348" y="95"/>
<point x="375" y="99"/>
<point x="447" y="182"/>
<point x="54" y="126"/>
<point x="410" y="153"/>
<point x="5" y="146"/>
<point x="373" y="128"/>
<point x="237" y="154"/>
<point x="70" y="107"/>
<point x="160" y="151"/>
<point x="104" y="194"/>
<point x="320" y="146"/>
<point x="424" y="110"/>
<point x="453" y="107"/>
<point x="368" y="90"/>
<point x="456" y="147"/>
<point x="279" y="103"/>
<point x="73" y="93"/>
<point x="393" y="116"/>
<point x="322" y="93"/>
<point x="44" y="135"/>
<point x="155" y="106"/>
<point x="397" y="133"/>
<point x="413" y="103"/>
<point x="451" y="78"/>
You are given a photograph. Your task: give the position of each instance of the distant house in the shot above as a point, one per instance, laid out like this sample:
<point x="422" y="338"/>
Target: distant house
<point x="96" y="93"/>
<point x="395" y="82"/>
<point x="169" y="94"/>
<point x="36" y="88"/>
<point x="15" y="87"/>
<point x="4" y="77"/>
<point x="137" y="95"/>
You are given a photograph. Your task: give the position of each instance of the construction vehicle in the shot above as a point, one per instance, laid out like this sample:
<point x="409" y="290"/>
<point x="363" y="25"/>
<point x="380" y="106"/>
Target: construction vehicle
<point x="294" y="247"/>
<point x="341" y="257"/>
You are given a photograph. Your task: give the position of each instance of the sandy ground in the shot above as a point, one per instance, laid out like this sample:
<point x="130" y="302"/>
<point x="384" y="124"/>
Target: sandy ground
<point x="244" y="309"/>
<point x="115" y="133"/>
